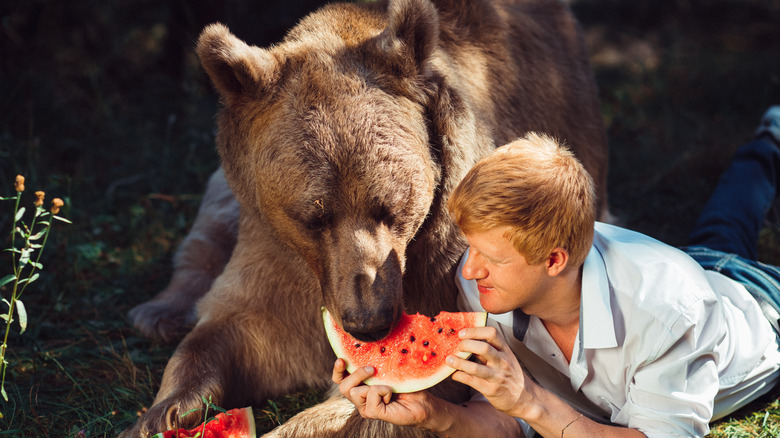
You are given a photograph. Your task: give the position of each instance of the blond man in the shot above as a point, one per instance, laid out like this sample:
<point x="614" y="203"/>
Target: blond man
<point x="596" y="330"/>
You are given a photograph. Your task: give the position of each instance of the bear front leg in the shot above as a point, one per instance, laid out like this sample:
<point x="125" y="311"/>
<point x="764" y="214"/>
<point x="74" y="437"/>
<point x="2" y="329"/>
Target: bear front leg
<point x="238" y="355"/>
<point x="200" y="258"/>
<point x="201" y="366"/>
<point x="337" y="418"/>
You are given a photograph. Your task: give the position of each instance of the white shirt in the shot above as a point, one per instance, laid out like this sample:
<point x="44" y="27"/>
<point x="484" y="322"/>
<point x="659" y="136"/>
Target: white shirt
<point x="663" y="345"/>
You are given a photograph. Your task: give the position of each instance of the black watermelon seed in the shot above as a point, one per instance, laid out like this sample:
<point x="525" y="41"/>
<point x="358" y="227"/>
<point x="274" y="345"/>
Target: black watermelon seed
<point x="382" y="350"/>
<point x="433" y="319"/>
<point x="411" y="339"/>
<point x="357" y="345"/>
<point x="452" y="330"/>
<point x="404" y="350"/>
<point x="433" y="353"/>
<point x="425" y="343"/>
<point x="440" y="329"/>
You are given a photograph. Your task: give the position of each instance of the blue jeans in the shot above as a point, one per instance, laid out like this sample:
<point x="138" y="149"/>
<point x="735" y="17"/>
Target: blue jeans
<point x="725" y="237"/>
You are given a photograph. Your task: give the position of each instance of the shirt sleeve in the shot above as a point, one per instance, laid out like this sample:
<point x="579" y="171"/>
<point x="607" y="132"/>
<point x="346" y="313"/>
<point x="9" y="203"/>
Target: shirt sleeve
<point x="671" y="391"/>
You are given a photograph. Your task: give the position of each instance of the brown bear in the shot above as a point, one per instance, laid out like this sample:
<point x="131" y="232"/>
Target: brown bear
<point x="341" y="144"/>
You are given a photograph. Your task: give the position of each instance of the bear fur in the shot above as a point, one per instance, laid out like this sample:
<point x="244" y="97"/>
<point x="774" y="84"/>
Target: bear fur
<point x="341" y="145"/>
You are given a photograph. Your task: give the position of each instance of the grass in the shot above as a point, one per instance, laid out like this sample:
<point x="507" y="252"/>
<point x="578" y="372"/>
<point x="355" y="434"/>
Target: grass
<point x="103" y="104"/>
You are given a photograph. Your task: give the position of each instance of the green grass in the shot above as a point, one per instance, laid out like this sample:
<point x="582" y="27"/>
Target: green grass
<point x="103" y="105"/>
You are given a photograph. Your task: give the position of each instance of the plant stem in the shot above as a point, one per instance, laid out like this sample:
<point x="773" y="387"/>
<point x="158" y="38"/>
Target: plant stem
<point x="38" y="256"/>
<point x="17" y="271"/>
<point x="13" y="236"/>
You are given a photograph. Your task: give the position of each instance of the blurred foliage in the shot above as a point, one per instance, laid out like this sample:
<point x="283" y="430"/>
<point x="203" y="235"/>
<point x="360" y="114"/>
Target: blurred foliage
<point x="103" y="104"/>
<point x="683" y="85"/>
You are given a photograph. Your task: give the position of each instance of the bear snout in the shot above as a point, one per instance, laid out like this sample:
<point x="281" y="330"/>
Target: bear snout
<point x="368" y="327"/>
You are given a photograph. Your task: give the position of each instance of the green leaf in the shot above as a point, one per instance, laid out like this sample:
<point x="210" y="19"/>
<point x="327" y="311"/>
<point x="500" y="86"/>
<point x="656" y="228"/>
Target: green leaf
<point x="4" y="317"/>
<point x="38" y="235"/>
<point x="22" y="312"/>
<point x="2" y="391"/>
<point x="7" y="279"/>
<point x="25" y="257"/>
<point x="191" y="411"/>
<point x="37" y="265"/>
<point x="19" y="214"/>
<point x="34" y="277"/>
<point x="62" y="219"/>
<point x="10" y="198"/>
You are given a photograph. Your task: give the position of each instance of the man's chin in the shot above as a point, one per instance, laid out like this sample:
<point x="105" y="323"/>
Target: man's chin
<point x="493" y="308"/>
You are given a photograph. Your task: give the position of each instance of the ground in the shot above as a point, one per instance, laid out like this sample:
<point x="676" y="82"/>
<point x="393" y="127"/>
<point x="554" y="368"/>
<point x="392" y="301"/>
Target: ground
<point x="103" y="104"/>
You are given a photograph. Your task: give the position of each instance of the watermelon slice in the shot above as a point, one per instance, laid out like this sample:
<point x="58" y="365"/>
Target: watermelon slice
<point x="412" y="356"/>
<point x="237" y="423"/>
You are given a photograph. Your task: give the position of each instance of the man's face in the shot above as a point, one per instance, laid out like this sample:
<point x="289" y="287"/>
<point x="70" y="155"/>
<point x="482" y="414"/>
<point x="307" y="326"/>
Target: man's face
<point x="505" y="280"/>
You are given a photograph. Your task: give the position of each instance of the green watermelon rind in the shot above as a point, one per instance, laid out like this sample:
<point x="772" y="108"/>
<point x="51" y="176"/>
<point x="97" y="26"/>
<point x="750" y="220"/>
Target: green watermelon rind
<point x="407" y="385"/>
<point x="246" y="412"/>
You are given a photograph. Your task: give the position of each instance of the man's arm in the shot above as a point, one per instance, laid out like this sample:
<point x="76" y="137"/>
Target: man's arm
<point x="499" y="377"/>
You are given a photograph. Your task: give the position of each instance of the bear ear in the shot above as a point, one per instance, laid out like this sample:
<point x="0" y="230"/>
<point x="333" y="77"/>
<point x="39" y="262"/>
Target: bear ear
<point x="412" y="34"/>
<point x="236" y="69"/>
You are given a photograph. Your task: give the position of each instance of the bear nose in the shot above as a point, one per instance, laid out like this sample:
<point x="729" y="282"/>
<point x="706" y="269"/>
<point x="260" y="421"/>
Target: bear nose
<point x="371" y="336"/>
<point x="368" y="327"/>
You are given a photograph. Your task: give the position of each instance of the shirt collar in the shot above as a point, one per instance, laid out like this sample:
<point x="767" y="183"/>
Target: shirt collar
<point x="597" y="329"/>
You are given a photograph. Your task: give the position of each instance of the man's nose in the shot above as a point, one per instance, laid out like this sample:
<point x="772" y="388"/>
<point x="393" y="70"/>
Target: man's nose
<point x="473" y="269"/>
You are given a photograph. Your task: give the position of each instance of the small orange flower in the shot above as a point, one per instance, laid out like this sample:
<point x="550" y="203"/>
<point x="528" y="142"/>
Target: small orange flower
<point x="19" y="183"/>
<point x="39" y="200"/>
<point x="56" y="203"/>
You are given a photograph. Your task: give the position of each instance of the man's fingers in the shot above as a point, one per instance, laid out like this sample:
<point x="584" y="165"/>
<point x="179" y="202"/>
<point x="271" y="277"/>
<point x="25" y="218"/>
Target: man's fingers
<point x="339" y="371"/>
<point x="480" y="348"/>
<point x="465" y="378"/>
<point x="469" y="367"/>
<point x="487" y="334"/>
<point x="349" y="381"/>
<point x="378" y="396"/>
<point x="358" y="394"/>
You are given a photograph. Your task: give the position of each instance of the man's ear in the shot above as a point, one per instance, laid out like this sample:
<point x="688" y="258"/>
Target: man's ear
<point x="557" y="261"/>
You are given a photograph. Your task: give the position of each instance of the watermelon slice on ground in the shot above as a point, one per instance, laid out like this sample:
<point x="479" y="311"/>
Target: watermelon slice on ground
<point x="412" y="356"/>
<point x="237" y="423"/>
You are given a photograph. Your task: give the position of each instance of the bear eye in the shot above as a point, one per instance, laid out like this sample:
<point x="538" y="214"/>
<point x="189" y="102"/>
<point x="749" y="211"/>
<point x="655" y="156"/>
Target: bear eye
<point x="315" y="224"/>
<point x="381" y="213"/>
<point x="318" y="219"/>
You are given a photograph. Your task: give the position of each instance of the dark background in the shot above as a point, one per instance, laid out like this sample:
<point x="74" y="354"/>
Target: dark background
<point x="103" y="104"/>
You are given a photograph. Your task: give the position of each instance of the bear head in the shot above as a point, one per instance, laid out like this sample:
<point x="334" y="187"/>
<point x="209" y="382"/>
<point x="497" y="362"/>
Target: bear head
<point x="326" y="137"/>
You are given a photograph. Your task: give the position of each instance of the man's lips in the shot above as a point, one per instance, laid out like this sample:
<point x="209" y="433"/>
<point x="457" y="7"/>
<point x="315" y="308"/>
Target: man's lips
<point x="484" y="289"/>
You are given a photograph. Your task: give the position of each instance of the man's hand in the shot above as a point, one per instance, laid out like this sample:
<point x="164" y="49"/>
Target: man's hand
<point x="379" y="402"/>
<point x="498" y="375"/>
<point x="421" y="409"/>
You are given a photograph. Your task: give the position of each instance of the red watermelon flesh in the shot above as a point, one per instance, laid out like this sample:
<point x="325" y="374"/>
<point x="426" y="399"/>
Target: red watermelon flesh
<point x="237" y="423"/>
<point x="412" y="356"/>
